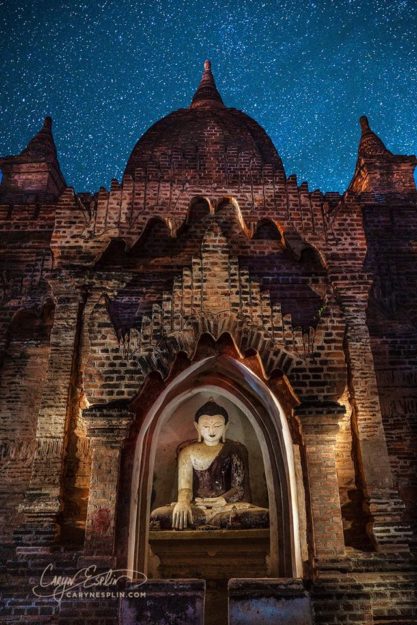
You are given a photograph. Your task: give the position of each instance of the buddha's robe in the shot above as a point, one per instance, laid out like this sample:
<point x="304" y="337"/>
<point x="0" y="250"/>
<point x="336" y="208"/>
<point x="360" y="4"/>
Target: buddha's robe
<point x="227" y="477"/>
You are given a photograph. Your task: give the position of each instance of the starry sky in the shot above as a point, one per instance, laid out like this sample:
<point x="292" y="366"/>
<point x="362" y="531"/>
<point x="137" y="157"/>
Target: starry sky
<point x="305" y="70"/>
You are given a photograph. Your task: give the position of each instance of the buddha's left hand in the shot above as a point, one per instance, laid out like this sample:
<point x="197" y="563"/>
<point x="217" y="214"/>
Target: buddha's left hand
<point x="211" y="502"/>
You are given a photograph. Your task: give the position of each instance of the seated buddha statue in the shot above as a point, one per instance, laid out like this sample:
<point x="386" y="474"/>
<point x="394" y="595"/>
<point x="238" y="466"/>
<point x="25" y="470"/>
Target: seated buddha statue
<point x="213" y="480"/>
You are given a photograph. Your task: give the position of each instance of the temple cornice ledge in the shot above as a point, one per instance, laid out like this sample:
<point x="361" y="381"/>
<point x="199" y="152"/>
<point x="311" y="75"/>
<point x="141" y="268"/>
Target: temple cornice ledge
<point x="108" y="424"/>
<point x="320" y="417"/>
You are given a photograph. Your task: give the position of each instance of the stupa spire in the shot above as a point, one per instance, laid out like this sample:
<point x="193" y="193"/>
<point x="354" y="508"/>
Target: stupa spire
<point x="377" y="169"/>
<point x="42" y="146"/>
<point x="207" y="95"/>
<point x="35" y="171"/>
<point x="370" y="144"/>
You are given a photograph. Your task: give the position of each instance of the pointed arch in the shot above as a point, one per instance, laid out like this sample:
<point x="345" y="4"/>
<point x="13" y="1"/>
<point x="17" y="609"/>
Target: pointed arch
<point x="113" y="254"/>
<point x="244" y="335"/>
<point x="228" y="213"/>
<point x="232" y="379"/>
<point x="298" y="246"/>
<point x="199" y="208"/>
<point x="154" y="240"/>
<point x="267" y="229"/>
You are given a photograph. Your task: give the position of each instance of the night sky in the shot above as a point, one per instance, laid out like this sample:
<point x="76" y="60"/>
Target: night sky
<point x="107" y="69"/>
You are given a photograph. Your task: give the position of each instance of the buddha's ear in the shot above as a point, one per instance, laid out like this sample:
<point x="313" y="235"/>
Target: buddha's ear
<point x="199" y="433"/>
<point x="226" y="425"/>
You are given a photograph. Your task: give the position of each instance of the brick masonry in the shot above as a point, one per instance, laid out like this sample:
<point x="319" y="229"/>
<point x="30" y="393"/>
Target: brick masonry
<point x="206" y="236"/>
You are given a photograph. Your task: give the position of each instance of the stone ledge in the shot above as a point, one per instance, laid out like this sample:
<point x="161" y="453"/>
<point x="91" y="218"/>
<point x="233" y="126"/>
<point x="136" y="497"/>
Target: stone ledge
<point x="165" y="602"/>
<point x="268" y="600"/>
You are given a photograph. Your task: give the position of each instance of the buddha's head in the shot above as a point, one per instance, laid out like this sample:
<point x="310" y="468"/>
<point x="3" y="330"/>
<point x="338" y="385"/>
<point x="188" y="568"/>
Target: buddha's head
<point x="211" y="423"/>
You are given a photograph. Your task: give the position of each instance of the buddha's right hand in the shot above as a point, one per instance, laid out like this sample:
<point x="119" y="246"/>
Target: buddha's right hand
<point x="181" y="515"/>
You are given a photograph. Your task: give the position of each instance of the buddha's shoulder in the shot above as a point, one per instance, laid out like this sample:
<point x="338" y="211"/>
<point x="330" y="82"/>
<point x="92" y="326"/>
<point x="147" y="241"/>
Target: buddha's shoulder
<point x="235" y="447"/>
<point x="234" y="444"/>
<point x="188" y="449"/>
<point x="194" y="447"/>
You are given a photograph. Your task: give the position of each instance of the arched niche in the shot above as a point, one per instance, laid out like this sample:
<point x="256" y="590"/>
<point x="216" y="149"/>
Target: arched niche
<point x="199" y="208"/>
<point x="226" y="378"/>
<point x="154" y="241"/>
<point x="114" y="254"/>
<point x="267" y="230"/>
<point x="230" y="218"/>
<point x="304" y="251"/>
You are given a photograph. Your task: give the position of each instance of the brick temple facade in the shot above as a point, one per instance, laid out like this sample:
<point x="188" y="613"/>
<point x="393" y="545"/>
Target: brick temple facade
<point x="207" y="270"/>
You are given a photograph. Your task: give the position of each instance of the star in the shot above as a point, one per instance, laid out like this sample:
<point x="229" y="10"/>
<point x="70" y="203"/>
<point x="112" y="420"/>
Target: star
<point x="305" y="71"/>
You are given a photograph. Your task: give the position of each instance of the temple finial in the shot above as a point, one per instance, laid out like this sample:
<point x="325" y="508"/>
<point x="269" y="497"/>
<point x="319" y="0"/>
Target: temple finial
<point x="370" y="144"/>
<point x="207" y="95"/>
<point x="18" y="169"/>
<point x="364" y="123"/>
<point x="41" y="146"/>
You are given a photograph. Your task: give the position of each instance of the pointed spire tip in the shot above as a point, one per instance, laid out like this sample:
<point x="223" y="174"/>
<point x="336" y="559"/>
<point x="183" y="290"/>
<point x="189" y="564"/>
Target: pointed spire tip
<point x="41" y="147"/>
<point x="370" y="144"/>
<point x="207" y="95"/>
<point x="364" y="123"/>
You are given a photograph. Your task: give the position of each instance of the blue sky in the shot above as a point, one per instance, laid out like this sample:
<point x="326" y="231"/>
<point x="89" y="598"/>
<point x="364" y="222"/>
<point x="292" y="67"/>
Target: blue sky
<point x="107" y="69"/>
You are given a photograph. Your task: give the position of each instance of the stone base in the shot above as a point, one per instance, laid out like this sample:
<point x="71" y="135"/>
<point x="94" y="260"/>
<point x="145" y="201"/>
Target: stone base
<point x="211" y="554"/>
<point x="165" y="602"/>
<point x="266" y="601"/>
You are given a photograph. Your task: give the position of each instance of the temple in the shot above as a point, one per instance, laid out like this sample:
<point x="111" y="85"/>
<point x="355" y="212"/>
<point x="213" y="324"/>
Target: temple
<point x="207" y="273"/>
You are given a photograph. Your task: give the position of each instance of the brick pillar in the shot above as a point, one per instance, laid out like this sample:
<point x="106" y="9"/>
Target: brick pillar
<point x="386" y="529"/>
<point x="42" y="499"/>
<point x="320" y="425"/>
<point x="107" y="427"/>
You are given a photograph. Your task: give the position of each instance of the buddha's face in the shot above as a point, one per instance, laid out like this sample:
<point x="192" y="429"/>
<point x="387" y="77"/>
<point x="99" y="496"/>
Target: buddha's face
<point x="211" y="428"/>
